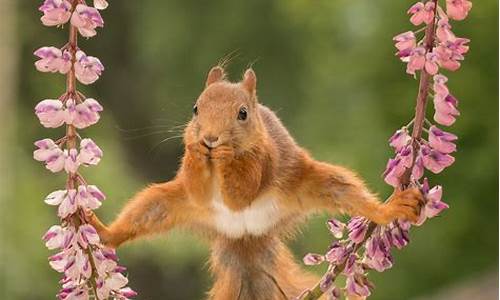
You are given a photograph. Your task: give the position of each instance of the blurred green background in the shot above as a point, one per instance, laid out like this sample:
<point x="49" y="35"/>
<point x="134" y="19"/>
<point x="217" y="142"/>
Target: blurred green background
<point x="327" y="67"/>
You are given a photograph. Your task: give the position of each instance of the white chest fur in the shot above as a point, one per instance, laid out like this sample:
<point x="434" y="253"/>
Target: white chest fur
<point x="256" y="219"/>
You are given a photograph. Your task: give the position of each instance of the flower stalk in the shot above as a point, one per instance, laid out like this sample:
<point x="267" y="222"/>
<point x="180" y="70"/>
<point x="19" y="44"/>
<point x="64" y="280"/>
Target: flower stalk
<point x="368" y="245"/>
<point x="90" y="270"/>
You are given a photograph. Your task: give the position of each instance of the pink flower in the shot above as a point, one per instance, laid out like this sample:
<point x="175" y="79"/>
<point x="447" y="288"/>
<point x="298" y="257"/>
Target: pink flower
<point x="105" y="261"/>
<point x="434" y="160"/>
<point x="87" y="19"/>
<point x="336" y="228"/>
<point x="357" y="228"/>
<point x="89" y="197"/>
<point x="358" y="285"/>
<point x="66" y="201"/>
<point x="54" y="237"/>
<point x="445" y="109"/>
<point x="83" y="114"/>
<point x="439" y="85"/>
<point x="418" y="168"/>
<point x="393" y="171"/>
<point x="422" y="13"/>
<point x="442" y="141"/>
<point x="378" y="254"/>
<point x="51" y="154"/>
<point x="416" y="60"/>
<point x="434" y="204"/>
<point x="447" y="58"/>
<point x="312" y="259"/>
<point x="78" y="266"/>
<point x="71" y="164"/>
<point x="87" y="68"/>
<point x="53" y="60"/>
<point x="443" y="31"/>
<point x="58" y="261"/>
<point x="55" y="12"/>
<point x="127" y="292"/>
<point x="68" y="205"/>
<point x="336" y="254"/>
<point x="399" y="235"/>
<point x="400" y="139"/>
<point x="56" y="197"/>
<point x="51" y="113"/>
<point x="87" y="235"/>
<point x="116" y="281"/>
<point x="90" y="153"/>
<point x="431" y="60"/>
<point x="405" y="41"/>
<point x="100" y="4"/>
<point x="458" y="9"/>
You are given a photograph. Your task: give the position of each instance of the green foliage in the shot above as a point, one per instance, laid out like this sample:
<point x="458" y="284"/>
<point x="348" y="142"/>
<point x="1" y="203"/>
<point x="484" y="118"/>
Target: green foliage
<point x="328" y="69"/>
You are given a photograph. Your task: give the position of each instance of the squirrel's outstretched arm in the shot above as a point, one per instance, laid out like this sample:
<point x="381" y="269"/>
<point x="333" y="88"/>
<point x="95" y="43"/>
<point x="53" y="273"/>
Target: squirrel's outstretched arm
<point x="155" y="209"/>
<point x="337" y="189"/>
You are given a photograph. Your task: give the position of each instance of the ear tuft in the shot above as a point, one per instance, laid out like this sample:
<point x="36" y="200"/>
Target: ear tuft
<point x="216" y="74"/>
<point x="249" y="81"/>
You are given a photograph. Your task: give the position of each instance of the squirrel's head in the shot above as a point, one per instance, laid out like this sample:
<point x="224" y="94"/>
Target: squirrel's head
<point x="226" y="112"/>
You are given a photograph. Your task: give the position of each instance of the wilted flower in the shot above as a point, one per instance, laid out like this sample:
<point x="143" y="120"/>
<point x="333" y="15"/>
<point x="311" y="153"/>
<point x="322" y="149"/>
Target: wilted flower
<point x="87" y="19"/>
<point x="53" y="60"/>
<point x="87" y="68"/>
<point x="55" y="12"/>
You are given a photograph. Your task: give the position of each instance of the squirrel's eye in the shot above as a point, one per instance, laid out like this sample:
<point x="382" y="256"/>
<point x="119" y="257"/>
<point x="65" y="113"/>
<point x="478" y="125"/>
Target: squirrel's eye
<point x="195" y="110"/>
<point x="242" y="114"/>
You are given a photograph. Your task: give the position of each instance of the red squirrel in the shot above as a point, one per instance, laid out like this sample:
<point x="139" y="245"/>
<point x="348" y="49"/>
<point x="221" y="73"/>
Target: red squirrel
<point x="246" y="184"/>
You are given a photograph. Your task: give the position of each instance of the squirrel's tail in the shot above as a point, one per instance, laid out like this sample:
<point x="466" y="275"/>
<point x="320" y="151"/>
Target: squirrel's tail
<point x="256" y="268"/>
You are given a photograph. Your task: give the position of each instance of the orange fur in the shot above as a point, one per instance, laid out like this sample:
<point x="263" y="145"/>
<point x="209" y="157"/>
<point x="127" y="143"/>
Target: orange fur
<point x="246" y="183"/>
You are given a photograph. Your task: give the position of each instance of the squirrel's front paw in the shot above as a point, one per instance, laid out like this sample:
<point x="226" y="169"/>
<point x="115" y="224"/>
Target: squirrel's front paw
<point x="222" y="154"/>
<point x="199" y="151"/>
<point x="403" y="205"/>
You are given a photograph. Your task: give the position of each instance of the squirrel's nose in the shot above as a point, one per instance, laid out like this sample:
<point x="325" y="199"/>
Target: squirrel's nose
<point x="210" y="140"/>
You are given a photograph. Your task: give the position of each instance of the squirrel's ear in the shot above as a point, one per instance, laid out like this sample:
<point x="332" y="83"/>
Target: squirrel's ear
<point x="249" y="81"/>
<point x="215" y="74"/>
